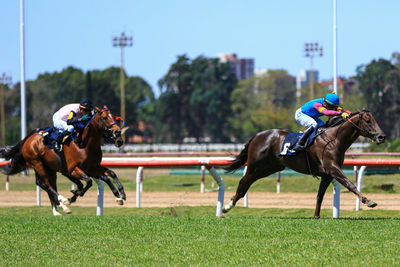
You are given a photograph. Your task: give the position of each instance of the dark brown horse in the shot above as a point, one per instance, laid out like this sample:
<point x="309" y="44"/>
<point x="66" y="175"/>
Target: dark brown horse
<point x="75" y="161"/>
<point x="324" y="158"/>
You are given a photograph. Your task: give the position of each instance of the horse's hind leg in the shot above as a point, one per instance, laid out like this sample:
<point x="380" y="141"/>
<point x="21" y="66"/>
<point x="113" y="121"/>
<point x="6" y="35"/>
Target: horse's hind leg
<point x="61" y="200"/>
<point x="252" y="175"/>
<point x="54" y="202"/>
<point x="325" y="181"/>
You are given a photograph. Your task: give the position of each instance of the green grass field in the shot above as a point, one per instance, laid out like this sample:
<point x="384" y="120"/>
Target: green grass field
<point x="193" y="236"/>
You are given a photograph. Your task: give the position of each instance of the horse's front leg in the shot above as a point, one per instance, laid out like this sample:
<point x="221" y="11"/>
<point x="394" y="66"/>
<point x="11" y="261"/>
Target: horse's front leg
<point x="76" y="192"/>
<point x="325" y="181"/>
<point x="77" y="173"/>
<point x="337" y="174"/>
<point x="118" y="197"/>
<point x="112" y="174"/>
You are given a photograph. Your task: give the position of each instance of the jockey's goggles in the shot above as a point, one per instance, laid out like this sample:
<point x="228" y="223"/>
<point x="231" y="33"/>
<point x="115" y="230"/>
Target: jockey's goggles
<point x="330" y="103"/>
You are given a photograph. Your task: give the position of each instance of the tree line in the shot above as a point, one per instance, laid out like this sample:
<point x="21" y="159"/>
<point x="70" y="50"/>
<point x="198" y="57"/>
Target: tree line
<point x="201" y="98"/>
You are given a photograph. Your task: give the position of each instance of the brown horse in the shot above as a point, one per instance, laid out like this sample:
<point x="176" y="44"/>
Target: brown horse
<point x="75" y="161"/>
<point x="324" y="158"/>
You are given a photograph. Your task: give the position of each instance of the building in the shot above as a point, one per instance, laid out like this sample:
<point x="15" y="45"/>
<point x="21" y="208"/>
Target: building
<point x="243" y="67"/>
<point x="305" y="77"/>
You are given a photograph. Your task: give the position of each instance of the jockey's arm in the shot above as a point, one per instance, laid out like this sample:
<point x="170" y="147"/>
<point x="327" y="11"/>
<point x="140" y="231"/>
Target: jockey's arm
<point x="344" y="110"/>
<point x="321" y="109"/>
<point x="70" y="119"/>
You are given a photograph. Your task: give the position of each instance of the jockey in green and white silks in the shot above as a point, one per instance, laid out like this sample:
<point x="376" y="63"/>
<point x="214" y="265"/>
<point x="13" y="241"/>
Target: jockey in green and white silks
<point x="69" y="115"/>
<point x="308" y="115"/>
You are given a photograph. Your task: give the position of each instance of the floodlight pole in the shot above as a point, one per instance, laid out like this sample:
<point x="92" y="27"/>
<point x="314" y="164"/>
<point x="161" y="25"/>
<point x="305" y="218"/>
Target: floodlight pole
<point x="122" y="41"/>
<point x="312" y="50"/>
<point x="4" y="80"/>
<point x="334" y="48"/>
<point x="22" y="63"/>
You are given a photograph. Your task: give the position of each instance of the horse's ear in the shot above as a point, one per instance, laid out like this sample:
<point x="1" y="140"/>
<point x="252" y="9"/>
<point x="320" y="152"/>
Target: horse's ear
<point x="97" y="109"/>
<point x="105" y="107"/>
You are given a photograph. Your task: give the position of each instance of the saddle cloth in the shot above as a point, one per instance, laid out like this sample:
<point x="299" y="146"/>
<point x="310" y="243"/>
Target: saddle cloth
<point x="291" y="140"/>
<point x="49" y="134"/>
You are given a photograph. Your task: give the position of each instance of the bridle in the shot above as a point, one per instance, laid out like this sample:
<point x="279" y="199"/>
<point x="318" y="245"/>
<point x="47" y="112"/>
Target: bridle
<point x="368" y="134"/>
<point x="104" y="125"/>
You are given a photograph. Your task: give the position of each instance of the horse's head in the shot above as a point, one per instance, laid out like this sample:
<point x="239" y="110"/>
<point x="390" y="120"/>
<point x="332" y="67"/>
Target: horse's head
<point x="368" y="126"/>
<point x="110" y="126"/>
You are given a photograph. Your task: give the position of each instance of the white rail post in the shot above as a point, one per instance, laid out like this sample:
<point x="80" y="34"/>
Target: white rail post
<point x="7" y="183"/>
<point x="336" y="199"/>
<point x="221" y="189"/>
<point x="278" y="182"/>
<point x="359" y="182"/>
<point x="100" y="198"/>
<point x="38" y="199"/>
<point x="138" y="185"/>
<point x="246" y="196"/>
<point x="203" y="175"/>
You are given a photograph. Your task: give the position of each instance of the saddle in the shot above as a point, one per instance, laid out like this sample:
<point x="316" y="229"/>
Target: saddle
<point x="54" y="138"/>
<point x="291" y="139"/>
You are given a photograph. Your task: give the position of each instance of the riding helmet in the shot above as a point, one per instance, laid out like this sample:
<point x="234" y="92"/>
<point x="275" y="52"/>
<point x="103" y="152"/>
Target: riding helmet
<point x="86" y="104"/>
<point x="332" y="99"/>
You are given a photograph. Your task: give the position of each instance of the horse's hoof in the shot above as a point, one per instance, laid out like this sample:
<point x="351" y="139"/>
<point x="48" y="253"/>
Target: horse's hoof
<point x="225" y="210"/>
<point x="372" y="204"/>
<point x="67" y="211"/>
<point x="120" y="202"/>
<point x="66" y="202"/>
<point x="316" y="217"/>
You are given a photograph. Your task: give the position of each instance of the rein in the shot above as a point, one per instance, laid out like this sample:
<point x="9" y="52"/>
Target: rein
<point x="361" y="129"/>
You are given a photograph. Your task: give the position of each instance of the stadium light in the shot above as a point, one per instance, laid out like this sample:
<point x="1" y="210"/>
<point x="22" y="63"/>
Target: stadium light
<point x="312" y="50"/>
<point x="4" y="80"/>
<point x="122" y="41"/>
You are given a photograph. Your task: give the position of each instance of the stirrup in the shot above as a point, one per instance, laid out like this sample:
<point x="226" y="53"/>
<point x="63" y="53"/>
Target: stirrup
<point x="298" y="147"/>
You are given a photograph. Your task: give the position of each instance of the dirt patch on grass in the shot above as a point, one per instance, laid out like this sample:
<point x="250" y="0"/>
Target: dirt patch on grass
<point x="171" y="199"/>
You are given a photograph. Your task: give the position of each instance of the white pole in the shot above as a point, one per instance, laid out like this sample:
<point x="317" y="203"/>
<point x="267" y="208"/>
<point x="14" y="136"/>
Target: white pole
<point x="246" y="197"/>
<point x="203" y="175"/>
<point x="38" y="199"/>
<point x="334" y="48"/>
<point x="7" y="183"/>
<point x="100" y="198"/>
<point x="221" y="189"/>
<point x="22" y="62"/>
<point x="359" y="182"/>
<point x="138" y="185"/>
<point x="278" y="182"/>
<point x="336" y="199"/>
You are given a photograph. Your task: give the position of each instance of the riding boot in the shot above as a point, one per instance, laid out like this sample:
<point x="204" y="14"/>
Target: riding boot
<point x="60" y="140"/>
<point x="300" y="145"/>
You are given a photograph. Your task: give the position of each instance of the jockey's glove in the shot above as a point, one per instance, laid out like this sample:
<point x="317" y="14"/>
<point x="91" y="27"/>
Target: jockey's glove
<point x="84" y="118"/>
<point x="345" y="115"/>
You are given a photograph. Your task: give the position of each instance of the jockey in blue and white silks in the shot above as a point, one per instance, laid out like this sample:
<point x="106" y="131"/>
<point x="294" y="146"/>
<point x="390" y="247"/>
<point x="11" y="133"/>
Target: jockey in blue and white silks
<point x="308" y="115"/>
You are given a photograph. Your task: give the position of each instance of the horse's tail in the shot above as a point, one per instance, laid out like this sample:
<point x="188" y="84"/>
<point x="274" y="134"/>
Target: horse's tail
<point x="240" y="159"/>
<point x="18" y="163"/>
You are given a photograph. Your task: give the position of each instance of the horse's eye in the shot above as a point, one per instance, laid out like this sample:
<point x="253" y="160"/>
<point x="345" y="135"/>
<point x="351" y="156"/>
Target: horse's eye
<point x="368" y="121"/>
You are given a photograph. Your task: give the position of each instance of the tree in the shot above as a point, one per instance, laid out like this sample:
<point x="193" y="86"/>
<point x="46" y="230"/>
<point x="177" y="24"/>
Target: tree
<point x="195" y="100"/>
<point x="379" y="81"/>
<point x="262" y="103"/>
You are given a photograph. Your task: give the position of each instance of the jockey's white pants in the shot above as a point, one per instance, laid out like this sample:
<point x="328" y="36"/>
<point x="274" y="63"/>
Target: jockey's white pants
<point x="307" y="121"/>
<point x="60" y="124"/>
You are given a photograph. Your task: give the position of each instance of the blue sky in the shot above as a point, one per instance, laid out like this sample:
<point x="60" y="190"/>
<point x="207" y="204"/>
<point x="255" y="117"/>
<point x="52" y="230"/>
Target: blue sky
<point x="79" y="33"/>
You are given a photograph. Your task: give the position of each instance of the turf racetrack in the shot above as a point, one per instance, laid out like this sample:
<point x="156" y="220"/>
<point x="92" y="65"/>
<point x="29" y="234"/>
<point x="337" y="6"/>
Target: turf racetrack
<point x="181" y="236"/>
